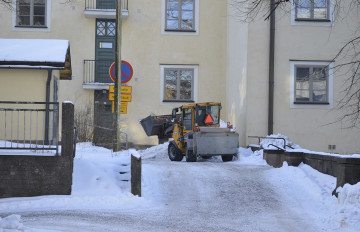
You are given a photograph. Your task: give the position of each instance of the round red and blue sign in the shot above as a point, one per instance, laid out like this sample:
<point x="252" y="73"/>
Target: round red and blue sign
<point x="127" y="72"/>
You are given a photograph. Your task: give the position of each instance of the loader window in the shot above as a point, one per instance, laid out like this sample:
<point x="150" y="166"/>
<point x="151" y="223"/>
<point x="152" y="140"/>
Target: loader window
<point x="187" y="119"/>
<point x="203" y="111"/>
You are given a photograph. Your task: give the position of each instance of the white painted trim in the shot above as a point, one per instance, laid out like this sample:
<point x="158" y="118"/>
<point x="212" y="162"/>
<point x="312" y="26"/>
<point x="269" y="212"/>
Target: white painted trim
<point x="292" y="86"/>
<point x="48" y="19"/>
<point x="195" y="87"/>
<point x="313" y="23"/>
<point x="197" y="17"/>
<point x="96" y="86"/>
<point x="105" y="14"/>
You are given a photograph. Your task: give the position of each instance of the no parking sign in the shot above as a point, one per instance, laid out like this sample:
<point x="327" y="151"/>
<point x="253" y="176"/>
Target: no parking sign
<point x="127" y="72"/>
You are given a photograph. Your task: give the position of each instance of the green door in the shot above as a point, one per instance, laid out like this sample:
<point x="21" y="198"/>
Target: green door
<point x="103" y="119"/>
<point x="104" y="49"/>
<point x="106" y="4"/>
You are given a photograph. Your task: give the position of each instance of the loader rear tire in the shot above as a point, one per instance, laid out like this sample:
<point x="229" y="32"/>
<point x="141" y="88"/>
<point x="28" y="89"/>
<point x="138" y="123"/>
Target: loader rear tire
<point x="174" y="153"/>
<point x="190" y="156"/>
<point x="227" y="158"/>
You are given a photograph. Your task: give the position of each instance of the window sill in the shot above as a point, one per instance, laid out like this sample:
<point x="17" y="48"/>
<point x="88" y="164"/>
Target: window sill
<point x="313" y="20"/>
<point x="311" y="103"/>
<point x="171" y="30"/>
<point x="176" y="101"/>
<point x="32" y="27"/>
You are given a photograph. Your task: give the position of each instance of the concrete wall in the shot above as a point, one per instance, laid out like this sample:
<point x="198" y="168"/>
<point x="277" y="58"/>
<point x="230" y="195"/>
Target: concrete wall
<point x="26" y="175"/>
<point x="345" y="169"/>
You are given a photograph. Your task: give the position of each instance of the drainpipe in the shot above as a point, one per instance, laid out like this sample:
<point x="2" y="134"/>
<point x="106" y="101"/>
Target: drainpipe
<point x="47" y="113"/>
<point x="271" y="68"/>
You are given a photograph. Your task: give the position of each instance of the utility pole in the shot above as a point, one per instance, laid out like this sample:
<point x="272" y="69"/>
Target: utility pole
<point x="117" y="97"/>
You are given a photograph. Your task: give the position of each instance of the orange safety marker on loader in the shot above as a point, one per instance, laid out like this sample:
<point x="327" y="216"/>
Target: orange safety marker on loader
<point x="209" y="119"/>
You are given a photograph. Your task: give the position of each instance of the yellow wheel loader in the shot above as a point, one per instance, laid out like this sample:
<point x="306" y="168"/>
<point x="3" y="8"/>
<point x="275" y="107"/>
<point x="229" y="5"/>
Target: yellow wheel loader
<point x="195" y="131"/>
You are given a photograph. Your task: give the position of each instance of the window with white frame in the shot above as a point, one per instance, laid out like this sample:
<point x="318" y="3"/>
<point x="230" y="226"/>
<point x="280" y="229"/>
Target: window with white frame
<point x="312" y="10"/>
<point x="178" y="83"/>
<point x="311" y="84"/>
<point x="31" y="13"/>
<point x="180" y="15"/>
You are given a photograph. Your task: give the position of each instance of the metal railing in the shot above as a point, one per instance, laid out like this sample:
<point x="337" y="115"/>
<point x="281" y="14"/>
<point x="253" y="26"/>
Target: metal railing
<point x="104" y="4"/>
<point x="97" y="71"/>
<point x="30" y="126"/>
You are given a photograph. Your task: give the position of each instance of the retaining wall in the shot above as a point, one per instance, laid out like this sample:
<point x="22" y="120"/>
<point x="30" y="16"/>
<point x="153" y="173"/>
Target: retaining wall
<point x="345" y="169"/>
<point x="25" y="176"/>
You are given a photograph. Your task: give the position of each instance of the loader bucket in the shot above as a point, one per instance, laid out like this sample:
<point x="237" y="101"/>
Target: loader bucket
<point x="156" y="125"/>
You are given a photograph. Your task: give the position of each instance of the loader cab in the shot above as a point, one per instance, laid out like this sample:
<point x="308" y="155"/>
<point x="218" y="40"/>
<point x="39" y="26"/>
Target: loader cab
<point x="207" y="115"/>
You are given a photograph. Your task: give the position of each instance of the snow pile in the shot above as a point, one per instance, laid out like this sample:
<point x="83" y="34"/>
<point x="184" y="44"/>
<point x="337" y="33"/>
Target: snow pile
<point x="247" y="156"/>
<point x="270" y="140"/>
<point x="11" y="223"/>
<point x="349" y="203"/>
<point x="100" y="181"/>
<point x="159" y="152"/>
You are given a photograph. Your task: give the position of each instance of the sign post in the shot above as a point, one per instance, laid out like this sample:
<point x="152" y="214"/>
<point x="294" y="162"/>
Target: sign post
<point x="117" y="142"/>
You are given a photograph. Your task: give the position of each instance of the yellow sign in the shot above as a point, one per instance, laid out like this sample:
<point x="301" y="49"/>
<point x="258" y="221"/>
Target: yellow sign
<point x="123" y="107"/>
<point x="124" y="97"/>
<point x="111" y="96"/>
<point x="124" y="89"/>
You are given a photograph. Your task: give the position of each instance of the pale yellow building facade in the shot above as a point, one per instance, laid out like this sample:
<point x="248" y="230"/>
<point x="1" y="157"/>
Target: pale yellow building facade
<point x="206" y="54"/>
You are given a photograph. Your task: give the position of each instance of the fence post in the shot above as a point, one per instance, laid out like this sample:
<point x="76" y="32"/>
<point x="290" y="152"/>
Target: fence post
<point x="67" y="131"/>
<point x="135" y="173"/>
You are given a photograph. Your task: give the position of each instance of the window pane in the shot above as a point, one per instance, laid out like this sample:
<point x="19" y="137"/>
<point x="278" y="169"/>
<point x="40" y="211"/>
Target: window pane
<point x="185" y="84"/>
<point x="302" y="73"/>
<point x="319" y="73"/>
<point x="302" y="95"/>
<point x="319" y="96"/>
<point x="173" y="4"/>
<point x="39" y="10"/>
<point x="170" y="84"/>
<point x="100" y="30"/>
<point x="24" y="20"/>
<point x="304" y="3"/>
<point x="187" y="24"/>
<point x="320" y="13"/>
<point x="111" y="30"/>
<point x="319" y="85"/>
<point x="22" y="2"/>
<point x="187" y="5"/>
<point x="24" y="10"/>
<point x="303" y="13"/>
<point x="302" y="84"/>
<point x="172" y="24"/>
<point x="39" y="2"/>
<point x="320" y="3"/>
<point x="39" y="20"/>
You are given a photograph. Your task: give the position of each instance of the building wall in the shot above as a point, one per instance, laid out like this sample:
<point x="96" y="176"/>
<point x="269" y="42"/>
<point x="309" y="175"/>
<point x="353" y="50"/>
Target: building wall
<point x="237" y="73"/>
<point x="312" y="127"/>
<point x="30" y="86"/>
<point x="207" y="50"/>
<point x="67" y="21"/>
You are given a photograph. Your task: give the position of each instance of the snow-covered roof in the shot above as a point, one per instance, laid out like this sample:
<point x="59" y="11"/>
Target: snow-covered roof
<point x="35" y="53"/>
<point x="33" y="50"/>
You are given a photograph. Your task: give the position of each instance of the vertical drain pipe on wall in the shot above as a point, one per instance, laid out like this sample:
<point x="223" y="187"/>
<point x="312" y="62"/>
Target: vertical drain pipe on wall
<point x="47" y="108"/>
<point x="271" y="68"/>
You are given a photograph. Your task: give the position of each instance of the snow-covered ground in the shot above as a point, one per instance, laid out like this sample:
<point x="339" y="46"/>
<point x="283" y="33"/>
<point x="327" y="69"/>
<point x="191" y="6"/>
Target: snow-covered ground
<point x="98" y="184"/>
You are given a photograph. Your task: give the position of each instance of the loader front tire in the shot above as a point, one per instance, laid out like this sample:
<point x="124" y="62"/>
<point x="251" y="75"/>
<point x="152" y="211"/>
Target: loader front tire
<point x="227" y="158"/>
<point x="174" y="153"/>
